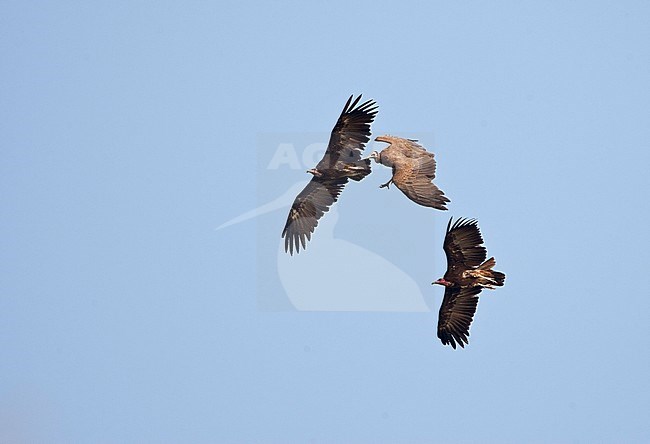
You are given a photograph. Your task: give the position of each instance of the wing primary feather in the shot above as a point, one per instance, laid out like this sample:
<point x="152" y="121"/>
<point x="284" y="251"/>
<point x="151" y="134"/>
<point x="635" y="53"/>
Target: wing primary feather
<point x="355" y="103"/>
<point x="308" y="207"/>
<point x="347" y="104"/>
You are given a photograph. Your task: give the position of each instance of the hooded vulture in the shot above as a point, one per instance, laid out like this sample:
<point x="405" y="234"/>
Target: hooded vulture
<point x="342" y="161"/>
<point x="413" y="170"/>
<point x="467" y="274"/>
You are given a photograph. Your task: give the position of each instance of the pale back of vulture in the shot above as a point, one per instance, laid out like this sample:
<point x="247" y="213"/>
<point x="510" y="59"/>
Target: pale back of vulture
<point x="414" y="168"/>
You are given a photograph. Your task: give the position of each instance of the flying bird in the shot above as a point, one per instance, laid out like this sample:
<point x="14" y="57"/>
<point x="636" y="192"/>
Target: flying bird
<point x="342" y="161"/>
<point x="413" y="170"/>
<point x="467" y="274"/>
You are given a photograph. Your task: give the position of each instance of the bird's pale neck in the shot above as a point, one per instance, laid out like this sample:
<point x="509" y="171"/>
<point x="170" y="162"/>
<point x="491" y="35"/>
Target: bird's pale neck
<point x="375" y="156"/>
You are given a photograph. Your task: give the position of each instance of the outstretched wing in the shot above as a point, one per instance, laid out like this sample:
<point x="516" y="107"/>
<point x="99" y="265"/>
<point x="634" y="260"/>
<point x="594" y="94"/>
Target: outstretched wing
<point x="308" y="207"/>
<point x="351" y="132"/>
<point x="456" y="315"/>
<point x="463" y="244"/>
<point x="413" y="173"/>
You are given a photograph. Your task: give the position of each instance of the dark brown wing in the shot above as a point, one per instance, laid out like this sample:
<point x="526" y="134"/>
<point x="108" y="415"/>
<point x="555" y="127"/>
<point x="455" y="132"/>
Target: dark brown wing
<point x="309" y="206"/>
<point x="463" y="245"/>
<point x="413" y="174"/>
<point x="351" y="133"/>
<point x="456" y="315"/>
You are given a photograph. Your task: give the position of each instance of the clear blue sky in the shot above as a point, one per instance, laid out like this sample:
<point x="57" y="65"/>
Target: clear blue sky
<point x="130" y="131"/>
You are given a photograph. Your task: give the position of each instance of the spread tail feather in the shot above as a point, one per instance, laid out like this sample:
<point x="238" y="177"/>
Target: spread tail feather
<point x="496" y="277"/>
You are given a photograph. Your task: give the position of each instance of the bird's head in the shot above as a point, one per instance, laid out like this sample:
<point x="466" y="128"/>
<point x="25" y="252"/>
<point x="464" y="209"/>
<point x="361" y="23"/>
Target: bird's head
<point x="315" y="172"/>
<point x="375" y="156"/>
<point x="442" y="281"/>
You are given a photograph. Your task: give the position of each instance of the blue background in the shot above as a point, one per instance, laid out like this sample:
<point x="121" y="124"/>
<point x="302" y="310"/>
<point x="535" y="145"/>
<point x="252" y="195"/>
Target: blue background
<point x="128" y="133"/>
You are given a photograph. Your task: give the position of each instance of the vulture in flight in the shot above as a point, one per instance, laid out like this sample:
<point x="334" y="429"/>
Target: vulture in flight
<point x="342" y="161"/>
<point x="467" y="274"/>
<point x="413" y="170"/>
